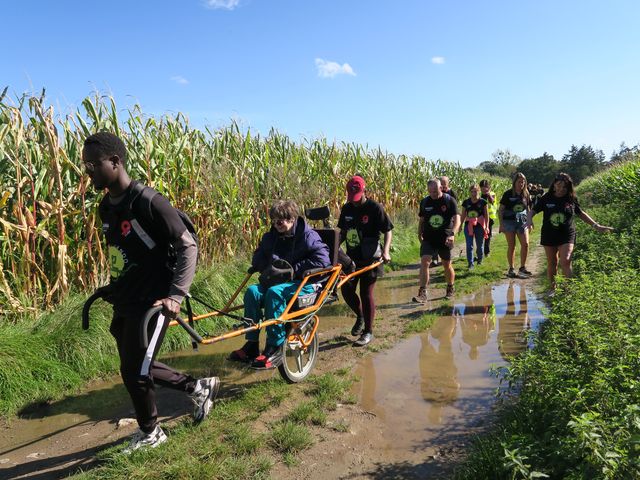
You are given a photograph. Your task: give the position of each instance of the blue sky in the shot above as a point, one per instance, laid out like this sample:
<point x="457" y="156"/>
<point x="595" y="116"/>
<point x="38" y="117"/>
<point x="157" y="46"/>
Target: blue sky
<point x="454" y="80"/>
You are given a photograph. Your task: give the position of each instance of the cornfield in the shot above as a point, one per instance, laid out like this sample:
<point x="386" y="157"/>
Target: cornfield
<point x="224" y="179"/>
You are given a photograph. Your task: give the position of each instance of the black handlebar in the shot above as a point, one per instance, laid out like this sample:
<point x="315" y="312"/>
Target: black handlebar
<point x="87" y="305"/>
<point x="144" y="326"/>
<point x="144" y="337"/>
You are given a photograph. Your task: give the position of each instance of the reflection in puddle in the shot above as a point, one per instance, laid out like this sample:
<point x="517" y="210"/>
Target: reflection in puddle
<point x="437" y="385"/>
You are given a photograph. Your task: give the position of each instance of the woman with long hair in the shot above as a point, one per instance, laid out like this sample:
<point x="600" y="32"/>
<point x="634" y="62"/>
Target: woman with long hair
<point x="558" y="236"/>
<point x="513" y="212"/>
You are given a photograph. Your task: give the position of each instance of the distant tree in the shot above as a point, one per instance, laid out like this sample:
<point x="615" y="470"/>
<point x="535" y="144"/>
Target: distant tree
<point x="505" y="158"/>
<point x="503" y="163"/>
<point x="491" y="168"/>
<point x="540" y="169"/>
<point x="624" y="154"/>
<point x="582" y="162"/>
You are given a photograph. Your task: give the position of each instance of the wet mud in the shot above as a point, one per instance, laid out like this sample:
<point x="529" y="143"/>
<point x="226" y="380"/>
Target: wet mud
<point x="432" y="390"/>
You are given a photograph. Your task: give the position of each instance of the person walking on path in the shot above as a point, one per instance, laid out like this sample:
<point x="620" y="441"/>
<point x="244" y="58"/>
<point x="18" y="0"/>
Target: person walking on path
<point x="361" y="223"/>
<point x="444" y="186"/>
<point x="153" y="260"/>
<point x="475" y="218"/>
<point x="439" y="221"/>
<point x="559" y="206"/>
<point x="492" y="207"/>
<point x="514" y="207"/>
<point x="290" y="244"/>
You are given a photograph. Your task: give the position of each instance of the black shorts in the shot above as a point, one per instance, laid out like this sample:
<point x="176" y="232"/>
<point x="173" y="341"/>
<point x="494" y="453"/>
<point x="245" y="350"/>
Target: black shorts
<point x="431" y="249"/>
<point x="555" y="239"/>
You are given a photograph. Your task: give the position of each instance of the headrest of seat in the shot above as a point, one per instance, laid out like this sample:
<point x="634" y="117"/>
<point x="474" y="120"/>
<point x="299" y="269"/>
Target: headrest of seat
<point x="319" y="213"/>
<point x="331" y="237"/>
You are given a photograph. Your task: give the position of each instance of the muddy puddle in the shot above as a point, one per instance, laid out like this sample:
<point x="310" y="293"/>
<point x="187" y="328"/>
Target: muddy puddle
<point x="433" y="389"/>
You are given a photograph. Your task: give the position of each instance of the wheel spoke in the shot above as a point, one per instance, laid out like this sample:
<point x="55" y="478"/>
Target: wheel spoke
<point x="299" y="360"/>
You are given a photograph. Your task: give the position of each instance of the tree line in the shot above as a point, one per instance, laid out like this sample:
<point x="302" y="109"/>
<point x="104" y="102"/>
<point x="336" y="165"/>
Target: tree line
<point x="579" y="162"/>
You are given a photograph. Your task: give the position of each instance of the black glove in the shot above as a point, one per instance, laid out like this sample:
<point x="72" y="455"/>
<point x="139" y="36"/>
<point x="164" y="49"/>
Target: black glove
<point x="252" y="269"/>
<point x="280" y="271"/>
<point x="345" y="260"/>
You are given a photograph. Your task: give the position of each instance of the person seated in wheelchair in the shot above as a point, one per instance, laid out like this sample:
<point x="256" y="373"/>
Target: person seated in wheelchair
<point x="284" y="253"/>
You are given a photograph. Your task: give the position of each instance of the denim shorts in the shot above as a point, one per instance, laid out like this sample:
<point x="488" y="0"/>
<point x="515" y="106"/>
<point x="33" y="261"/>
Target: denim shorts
<point x="510" y="225"/>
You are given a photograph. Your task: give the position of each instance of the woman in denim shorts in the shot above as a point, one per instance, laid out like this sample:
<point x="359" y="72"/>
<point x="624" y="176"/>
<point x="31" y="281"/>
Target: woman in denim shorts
<point x="514" y="208"/>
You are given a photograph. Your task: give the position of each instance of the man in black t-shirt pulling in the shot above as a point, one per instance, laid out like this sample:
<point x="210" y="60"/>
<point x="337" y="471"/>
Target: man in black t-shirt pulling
<point x="439" y="222"/>
<point x="153" y="261"/>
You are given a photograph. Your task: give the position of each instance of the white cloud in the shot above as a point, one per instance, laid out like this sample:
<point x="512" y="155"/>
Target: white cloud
<point x="327" y="69"/>
<point x="180" y="80"/>
<point x="437" y="60"/>
<point x="217" y="4"/>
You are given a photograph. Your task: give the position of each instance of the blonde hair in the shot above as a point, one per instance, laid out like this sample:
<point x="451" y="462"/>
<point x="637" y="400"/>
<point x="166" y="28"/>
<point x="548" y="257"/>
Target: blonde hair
<point x="525" y="191"/>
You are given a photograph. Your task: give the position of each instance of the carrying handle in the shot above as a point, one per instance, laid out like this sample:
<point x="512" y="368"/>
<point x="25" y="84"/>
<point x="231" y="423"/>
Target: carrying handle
<point x="144" y="326"/>
<point x="87" y="305"/>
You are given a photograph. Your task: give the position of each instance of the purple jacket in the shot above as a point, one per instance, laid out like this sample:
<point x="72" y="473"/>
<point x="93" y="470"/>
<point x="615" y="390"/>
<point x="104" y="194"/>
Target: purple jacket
<point x="304" y="249"/>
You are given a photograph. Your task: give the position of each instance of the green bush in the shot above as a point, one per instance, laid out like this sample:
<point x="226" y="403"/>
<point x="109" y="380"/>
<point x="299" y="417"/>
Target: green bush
<point x="572" y="406"/>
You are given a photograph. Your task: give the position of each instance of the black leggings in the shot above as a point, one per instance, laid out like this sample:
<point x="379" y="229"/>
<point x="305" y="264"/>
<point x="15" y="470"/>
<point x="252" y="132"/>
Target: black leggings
<point x="139" y="369"/>
<point x="365" y="306"/>
<point x="487" y="241"/>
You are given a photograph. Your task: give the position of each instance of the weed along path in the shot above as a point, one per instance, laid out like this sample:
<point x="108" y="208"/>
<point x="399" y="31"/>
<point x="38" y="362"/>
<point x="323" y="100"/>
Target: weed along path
<point x="420" y="393"/>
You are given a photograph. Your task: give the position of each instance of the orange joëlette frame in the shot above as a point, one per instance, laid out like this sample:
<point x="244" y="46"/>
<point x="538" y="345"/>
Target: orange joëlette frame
<point x="335" y="274"/>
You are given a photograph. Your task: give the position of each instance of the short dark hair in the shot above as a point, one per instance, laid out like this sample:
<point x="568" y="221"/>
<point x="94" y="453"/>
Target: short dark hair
<point x="485" y="183"/>
<point x="106" y="143"/>
<point x="285" y="209"/>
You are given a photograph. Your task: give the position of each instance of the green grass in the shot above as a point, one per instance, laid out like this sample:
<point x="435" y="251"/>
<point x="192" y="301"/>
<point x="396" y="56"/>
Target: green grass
<point x="289" y="437"/>
<point x="46" y="359"/>
<point x="228" y="444"/>
<point x="225" y="445"/>
<point x="422" y="323"/>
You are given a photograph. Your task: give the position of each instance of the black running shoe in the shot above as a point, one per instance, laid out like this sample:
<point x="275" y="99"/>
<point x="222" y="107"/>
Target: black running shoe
<point x="524" y="271"/>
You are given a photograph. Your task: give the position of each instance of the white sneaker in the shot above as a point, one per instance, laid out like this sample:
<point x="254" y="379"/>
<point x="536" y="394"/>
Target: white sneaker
<point x="203" y="397"/>
<point x="145" y="440"/>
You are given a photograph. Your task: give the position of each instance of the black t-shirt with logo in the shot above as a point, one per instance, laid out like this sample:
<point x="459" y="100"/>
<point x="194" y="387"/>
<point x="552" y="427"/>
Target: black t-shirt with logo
<point x="362" y="226"/>
<point x="138" y="251"/>
<point x="558" y="225"/>
<point x="438" y="218"/>
<point x="513" y="204"/>
<point x="451" y="193"/>
<point x="474" y="210"/>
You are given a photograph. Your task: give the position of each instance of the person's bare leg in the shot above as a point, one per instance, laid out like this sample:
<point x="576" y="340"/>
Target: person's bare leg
<point x="511" y="247"/>
<point x="524" y="247"/>
<point x="425" y="263"/>
<point x="552" y="264"/>
<point x="449" y="273"/>
<point x="565" y="251"/>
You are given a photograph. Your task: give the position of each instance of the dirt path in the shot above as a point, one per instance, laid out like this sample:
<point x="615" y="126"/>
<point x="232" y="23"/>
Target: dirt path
<point x="419" y="400"/>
